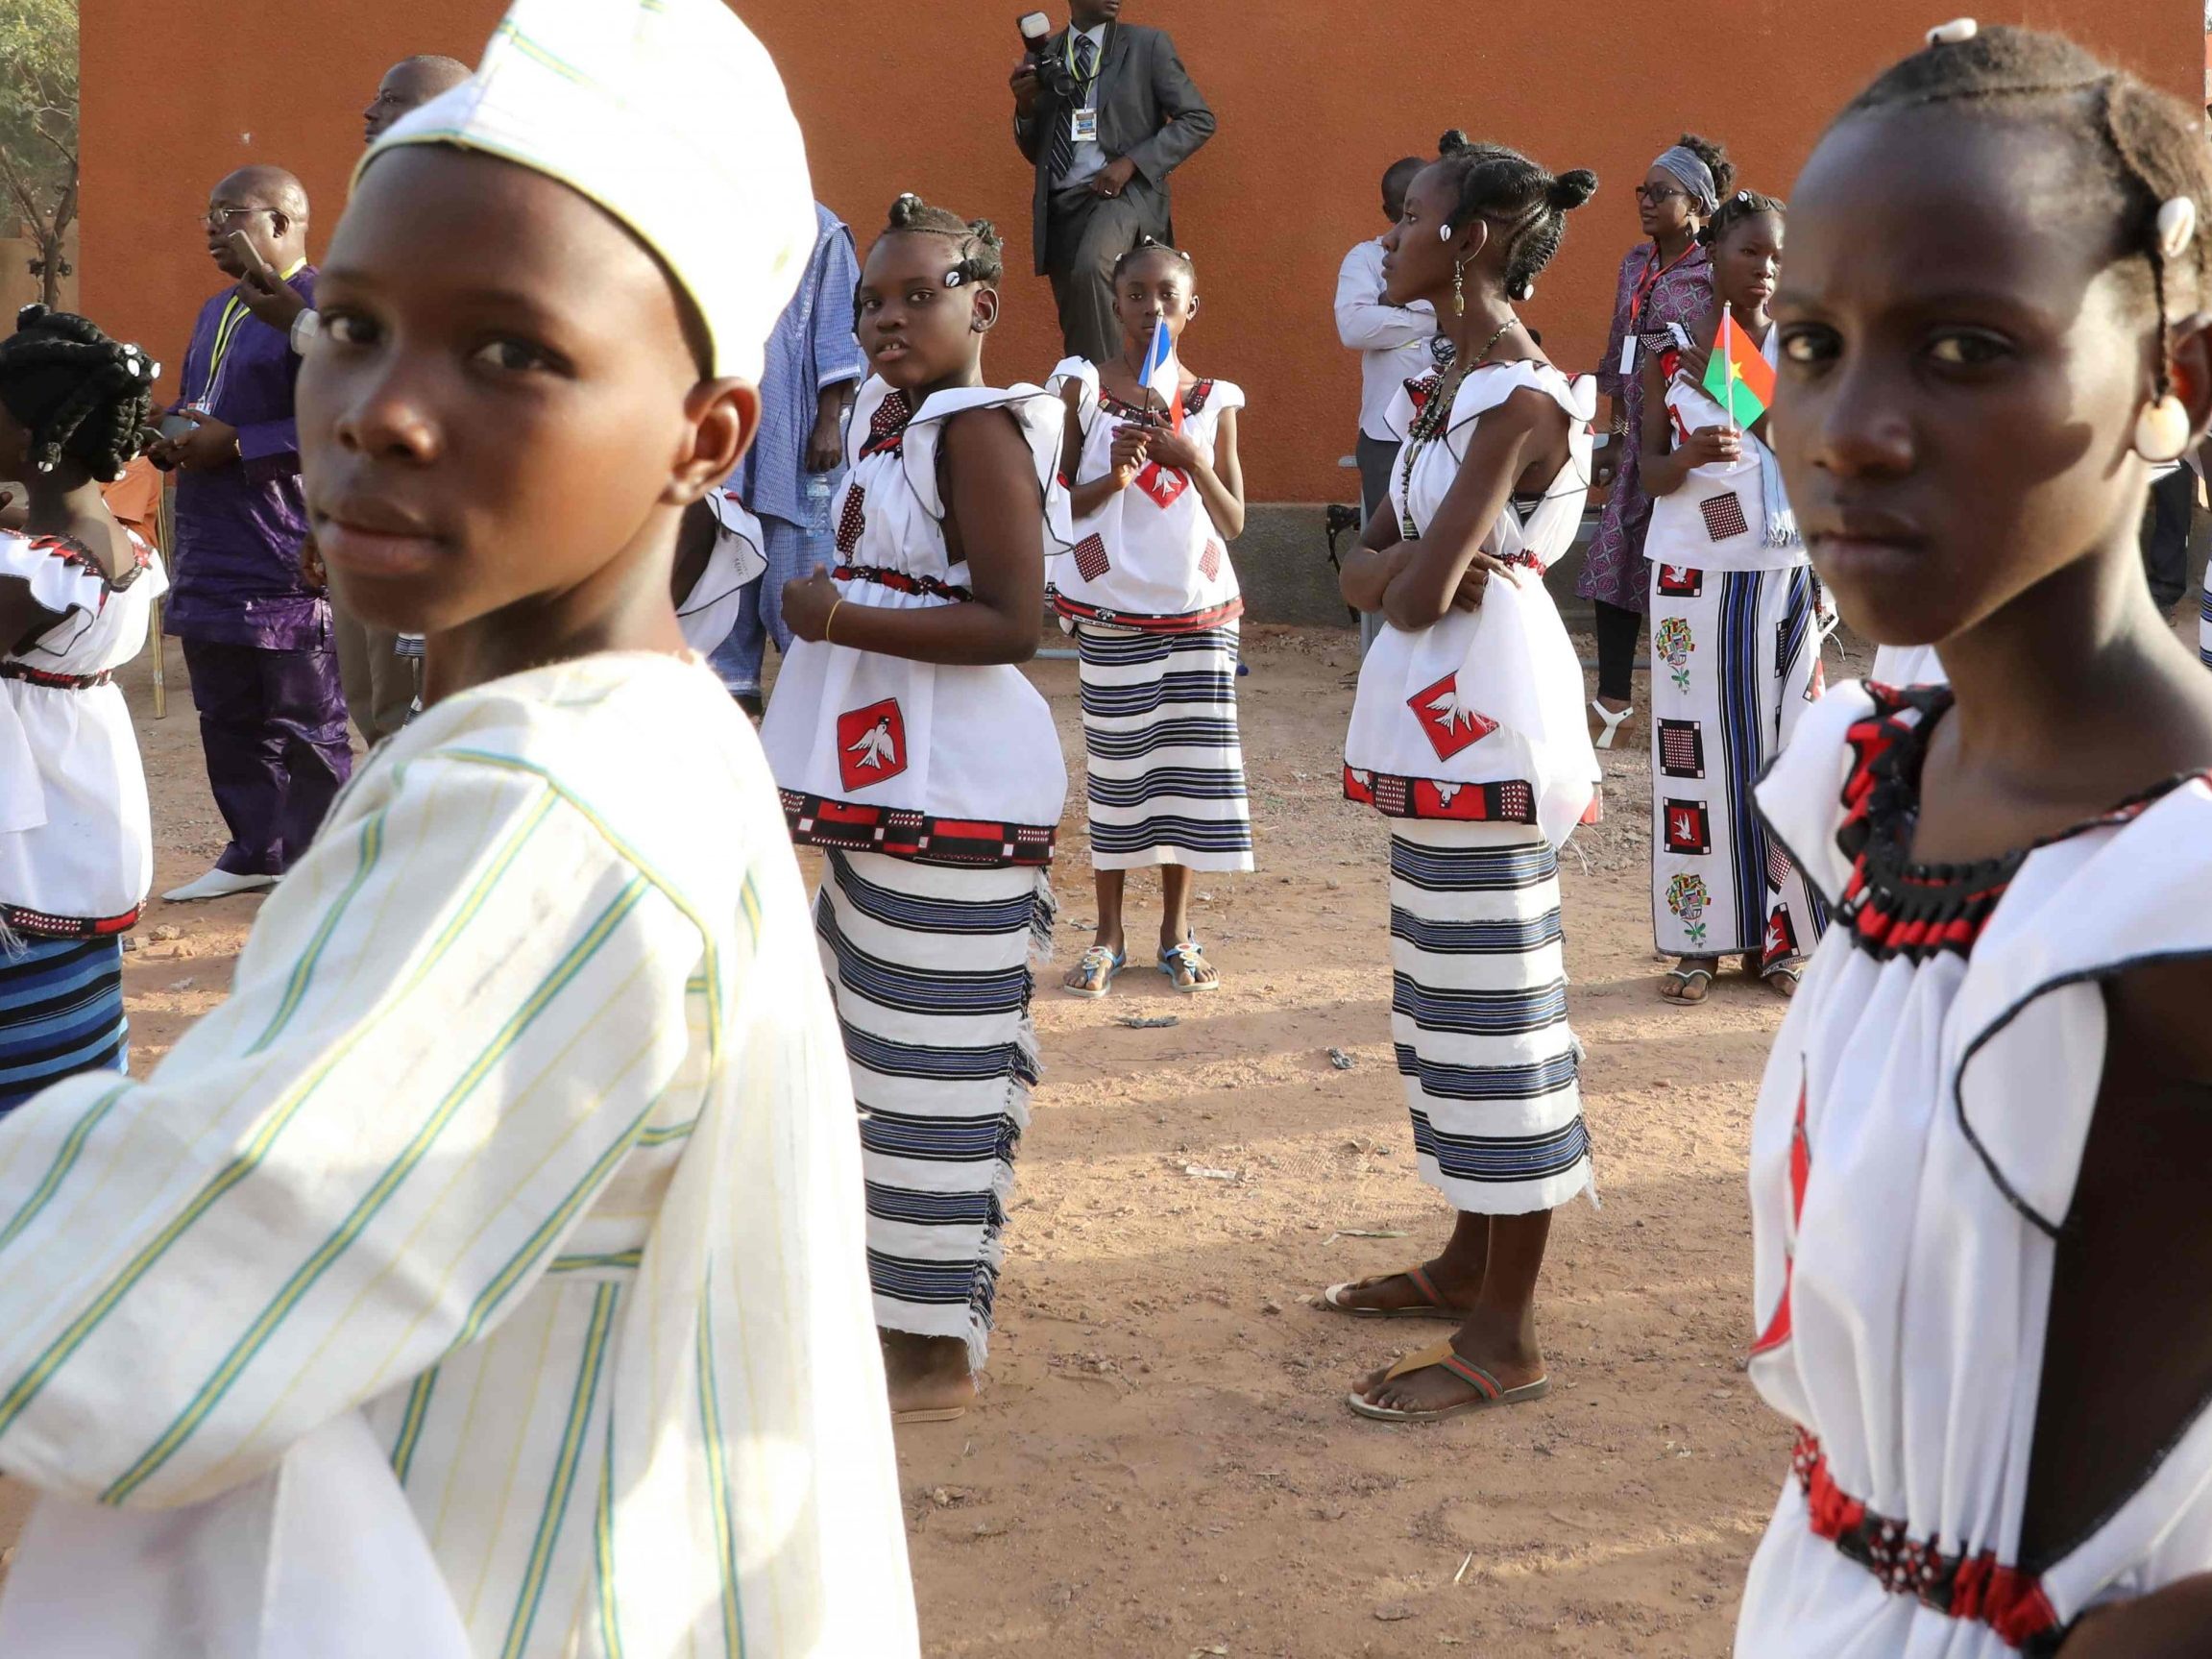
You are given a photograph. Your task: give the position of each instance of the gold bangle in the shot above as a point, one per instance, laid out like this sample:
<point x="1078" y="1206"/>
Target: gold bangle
<point x="830" y="618"/>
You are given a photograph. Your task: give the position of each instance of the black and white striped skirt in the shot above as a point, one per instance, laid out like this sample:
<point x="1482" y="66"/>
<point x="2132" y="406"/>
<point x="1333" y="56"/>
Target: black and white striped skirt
<point x="930" y="965"/>
<point x="1478" y="1012"/>
<point x="1166" y="768"/>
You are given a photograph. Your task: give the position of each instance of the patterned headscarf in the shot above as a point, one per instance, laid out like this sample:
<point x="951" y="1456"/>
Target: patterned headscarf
<point x="1695" y="176"/>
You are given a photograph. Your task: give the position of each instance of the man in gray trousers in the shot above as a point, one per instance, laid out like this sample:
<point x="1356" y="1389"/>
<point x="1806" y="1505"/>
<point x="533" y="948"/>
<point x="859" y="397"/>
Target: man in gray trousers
<point x="1105" y="112"/>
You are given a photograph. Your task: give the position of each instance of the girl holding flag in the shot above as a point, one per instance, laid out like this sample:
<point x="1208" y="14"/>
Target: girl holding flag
<point x="1150" y="594"/>
<point x="1737" y="624"/>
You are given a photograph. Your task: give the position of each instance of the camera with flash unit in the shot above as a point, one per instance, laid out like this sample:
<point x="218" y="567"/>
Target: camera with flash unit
<point x="1053" y="73"/>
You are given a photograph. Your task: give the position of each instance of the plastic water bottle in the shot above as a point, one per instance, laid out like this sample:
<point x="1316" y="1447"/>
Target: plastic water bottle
<point x="818" y="503"/>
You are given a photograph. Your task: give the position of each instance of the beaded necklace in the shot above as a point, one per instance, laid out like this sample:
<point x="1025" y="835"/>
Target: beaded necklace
<point x="1434" y="418"/>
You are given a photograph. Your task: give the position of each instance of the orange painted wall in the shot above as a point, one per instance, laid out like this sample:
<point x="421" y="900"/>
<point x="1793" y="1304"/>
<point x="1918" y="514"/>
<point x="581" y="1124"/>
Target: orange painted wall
<point x="1315" y="98"/>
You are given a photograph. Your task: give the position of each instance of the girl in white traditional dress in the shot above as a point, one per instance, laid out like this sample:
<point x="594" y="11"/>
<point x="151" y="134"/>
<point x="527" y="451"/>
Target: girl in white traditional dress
<point x="1978" y="1160"/>
<point x="1468" y="734"/>
<point x="76" y="842"/>
<point x="912" y="750"/>
<point x="718" y="554"/>
<point x="1737" y="620"/>
<point x="1156" y="493"/>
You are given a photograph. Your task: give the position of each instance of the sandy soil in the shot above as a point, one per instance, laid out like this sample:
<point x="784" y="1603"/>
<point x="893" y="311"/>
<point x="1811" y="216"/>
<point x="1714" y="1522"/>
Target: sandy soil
<point x="1164" y="1465"/>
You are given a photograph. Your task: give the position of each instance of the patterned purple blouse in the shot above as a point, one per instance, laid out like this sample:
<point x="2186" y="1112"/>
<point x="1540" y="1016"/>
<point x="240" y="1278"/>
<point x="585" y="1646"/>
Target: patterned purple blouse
<point x="1614" y="571"/>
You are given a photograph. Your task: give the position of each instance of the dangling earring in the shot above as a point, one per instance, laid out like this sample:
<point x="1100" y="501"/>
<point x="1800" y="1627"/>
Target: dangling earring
<point x="1459" y="288"/>
<point x="2162" y="431"/>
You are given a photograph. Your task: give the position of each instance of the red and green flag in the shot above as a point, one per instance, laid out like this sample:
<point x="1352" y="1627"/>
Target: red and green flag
<point x="1739" y="378"/>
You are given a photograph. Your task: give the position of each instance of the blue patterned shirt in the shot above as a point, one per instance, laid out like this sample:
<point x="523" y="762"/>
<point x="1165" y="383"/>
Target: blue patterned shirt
<point x="812" y="347"/>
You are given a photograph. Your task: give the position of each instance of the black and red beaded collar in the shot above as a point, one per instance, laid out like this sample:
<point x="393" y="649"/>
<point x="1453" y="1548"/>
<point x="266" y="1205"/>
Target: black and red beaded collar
<point x="1194" y="398"/>
<point x="1893" y="905"/>
<point x="888" y="427"/>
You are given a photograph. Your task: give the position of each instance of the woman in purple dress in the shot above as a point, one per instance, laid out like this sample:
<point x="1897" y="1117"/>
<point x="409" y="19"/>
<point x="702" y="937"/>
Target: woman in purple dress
<point x="1665" y="281"/>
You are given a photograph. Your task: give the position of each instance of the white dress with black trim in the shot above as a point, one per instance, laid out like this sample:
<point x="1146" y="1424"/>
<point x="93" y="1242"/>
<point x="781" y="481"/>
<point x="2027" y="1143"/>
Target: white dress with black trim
<point x="76" y="836"/>
<point x="1913" y="1157"/>
<point x="936" y="794"/>
<point x="1469" y="735"/>
<point x="1152" y="600"/>
<point x="737" y="558"/>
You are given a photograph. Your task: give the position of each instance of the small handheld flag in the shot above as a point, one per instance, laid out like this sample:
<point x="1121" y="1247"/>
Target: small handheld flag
<point x="1739" y="377"/>
<point x="1162" y="376"/>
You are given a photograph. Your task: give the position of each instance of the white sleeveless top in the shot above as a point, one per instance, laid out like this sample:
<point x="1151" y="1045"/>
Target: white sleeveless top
<point x="1151" y="557"/>
<point x="1715" y="520"/>
<point x="1479" y="716"/>
<point x="1913" y="1153"/>
<point x="708" y="613"/>
<point x="944" y="764"/>
<point x="76" y="836"/>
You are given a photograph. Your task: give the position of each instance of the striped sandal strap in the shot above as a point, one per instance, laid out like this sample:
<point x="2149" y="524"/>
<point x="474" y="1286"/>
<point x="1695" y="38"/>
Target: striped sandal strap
<point x="1419" y="1276"/>
<point x="1474" y="1375"/>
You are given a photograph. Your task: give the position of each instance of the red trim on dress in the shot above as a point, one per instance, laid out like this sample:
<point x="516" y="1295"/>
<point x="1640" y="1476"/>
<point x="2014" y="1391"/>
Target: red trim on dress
<point x="1188" y="623"/>
<point x="1974" y="1588"/>
<point x="18" y="919"/>
<point x="897" y="832"/>
<point x="1507" y="800"/>
<point x="900" y="581"/>
<point x="31" y="676"/>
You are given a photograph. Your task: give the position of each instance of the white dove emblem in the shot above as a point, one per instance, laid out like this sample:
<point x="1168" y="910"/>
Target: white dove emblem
<point x="1449" y="710"/>
<point x="874" y="746"/>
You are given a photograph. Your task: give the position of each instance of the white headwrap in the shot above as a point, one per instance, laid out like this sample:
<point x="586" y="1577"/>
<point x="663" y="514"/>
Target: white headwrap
<point x="671" y="116"/>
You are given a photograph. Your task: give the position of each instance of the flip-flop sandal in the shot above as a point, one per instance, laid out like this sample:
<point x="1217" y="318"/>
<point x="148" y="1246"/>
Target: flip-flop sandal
<point x="1489" y="1391"/>
<point x="1687" y="977"/>
<point x="1096" y="963"/>
<point x="1182" y="962"/>
<point x="1787" y="973"/>
<point x="939" y="1414"/>
<point x="1611" y="720"/>
<point x="1432" y="1308"/>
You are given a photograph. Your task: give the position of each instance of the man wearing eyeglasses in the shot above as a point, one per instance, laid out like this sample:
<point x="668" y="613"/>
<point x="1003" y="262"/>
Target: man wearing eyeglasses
<point x="256" y="635"/>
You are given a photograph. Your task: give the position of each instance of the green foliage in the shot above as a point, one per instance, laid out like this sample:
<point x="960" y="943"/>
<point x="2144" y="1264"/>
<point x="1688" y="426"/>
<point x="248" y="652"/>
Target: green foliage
<point x="38" y="126"/>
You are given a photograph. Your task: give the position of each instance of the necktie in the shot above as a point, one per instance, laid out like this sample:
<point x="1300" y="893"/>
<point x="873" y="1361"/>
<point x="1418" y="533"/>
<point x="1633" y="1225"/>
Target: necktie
<point x="1063" y="135"/>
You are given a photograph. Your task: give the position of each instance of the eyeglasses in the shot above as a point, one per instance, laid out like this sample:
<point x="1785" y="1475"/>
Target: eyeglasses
<point x="230" y="218"/>
<point x="1656" y="194"/>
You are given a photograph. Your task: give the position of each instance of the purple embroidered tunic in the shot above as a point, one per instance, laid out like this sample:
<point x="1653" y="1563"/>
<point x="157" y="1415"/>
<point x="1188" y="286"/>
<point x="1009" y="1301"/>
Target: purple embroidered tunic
<point x="1615" y="570"/>
<point x="236" y="562"/>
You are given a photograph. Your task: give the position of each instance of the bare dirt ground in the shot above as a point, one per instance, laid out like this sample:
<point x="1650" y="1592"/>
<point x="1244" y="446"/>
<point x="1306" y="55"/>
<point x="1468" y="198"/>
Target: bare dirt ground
<point x="1163" y="1466"/>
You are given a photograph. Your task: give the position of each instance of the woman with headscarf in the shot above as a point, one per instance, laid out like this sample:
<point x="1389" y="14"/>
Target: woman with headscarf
<point x="1665" y="286"/>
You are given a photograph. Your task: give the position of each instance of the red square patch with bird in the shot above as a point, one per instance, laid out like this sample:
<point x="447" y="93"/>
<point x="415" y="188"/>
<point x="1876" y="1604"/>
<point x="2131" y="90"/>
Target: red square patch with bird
<point x="1450" y="722"/>
<point x="1090" y="557"/>
<point x="1688" y="829"/>
<point x="1163" y="484"/>
<point x="1681" y="581"/>
<point x="871" y="745"/>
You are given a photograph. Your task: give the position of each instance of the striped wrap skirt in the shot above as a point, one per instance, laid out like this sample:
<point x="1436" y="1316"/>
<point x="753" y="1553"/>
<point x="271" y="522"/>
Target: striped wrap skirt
<point x="60" y="1013"/>
<point x="1166" y="767"/>
<point x="930" y="967"/>
<point x="1478" y="1013"/>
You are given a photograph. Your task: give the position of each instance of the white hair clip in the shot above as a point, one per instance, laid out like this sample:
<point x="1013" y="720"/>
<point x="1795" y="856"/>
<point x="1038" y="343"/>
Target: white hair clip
<point x="954" y="276"/>
<point x="2177" y="227"/>
<point x="1955" y="32"/>
<point x="1444" y="233"/>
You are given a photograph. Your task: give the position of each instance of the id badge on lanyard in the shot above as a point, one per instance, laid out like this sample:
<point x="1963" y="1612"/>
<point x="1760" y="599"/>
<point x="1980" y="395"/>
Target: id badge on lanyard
<point x="1084" y="124"/>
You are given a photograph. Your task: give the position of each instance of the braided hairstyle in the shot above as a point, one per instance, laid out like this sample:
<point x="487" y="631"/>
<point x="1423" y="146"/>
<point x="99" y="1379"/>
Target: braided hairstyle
<point x="78" y="393"/>
<point x="975" y="240"/>
<point x="1735" y="210"/>
<point x="1528" y="205"/>
<point x="1153" y="245"/>
<point x="2141" y="147"/>
<point x="1715" y="160"/>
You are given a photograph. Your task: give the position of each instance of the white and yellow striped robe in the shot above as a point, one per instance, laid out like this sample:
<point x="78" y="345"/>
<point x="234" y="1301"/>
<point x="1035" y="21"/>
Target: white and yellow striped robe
<point x="527" y="1132"/>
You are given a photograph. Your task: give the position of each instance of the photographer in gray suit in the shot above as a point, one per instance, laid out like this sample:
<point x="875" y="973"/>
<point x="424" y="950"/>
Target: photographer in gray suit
<point x="1106" y="112"/>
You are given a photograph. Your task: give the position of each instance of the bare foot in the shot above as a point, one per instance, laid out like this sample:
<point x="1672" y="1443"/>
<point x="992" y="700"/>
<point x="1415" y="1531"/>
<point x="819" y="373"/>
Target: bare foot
<point x="1508" y="1354"/>
<point x="1457" y="1289"/>
<point x="926" y="1374"/>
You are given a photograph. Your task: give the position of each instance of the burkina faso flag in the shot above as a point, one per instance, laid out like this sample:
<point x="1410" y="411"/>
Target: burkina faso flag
<point x="1739" y="378"/>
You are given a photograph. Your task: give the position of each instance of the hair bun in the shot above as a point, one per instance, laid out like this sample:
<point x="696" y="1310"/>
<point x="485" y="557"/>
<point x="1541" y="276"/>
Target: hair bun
<point x="31" y="316"/>
<point x="1454" y="142"/>
<point x="1570" y="190"/>
<point x="985" y="231"/>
